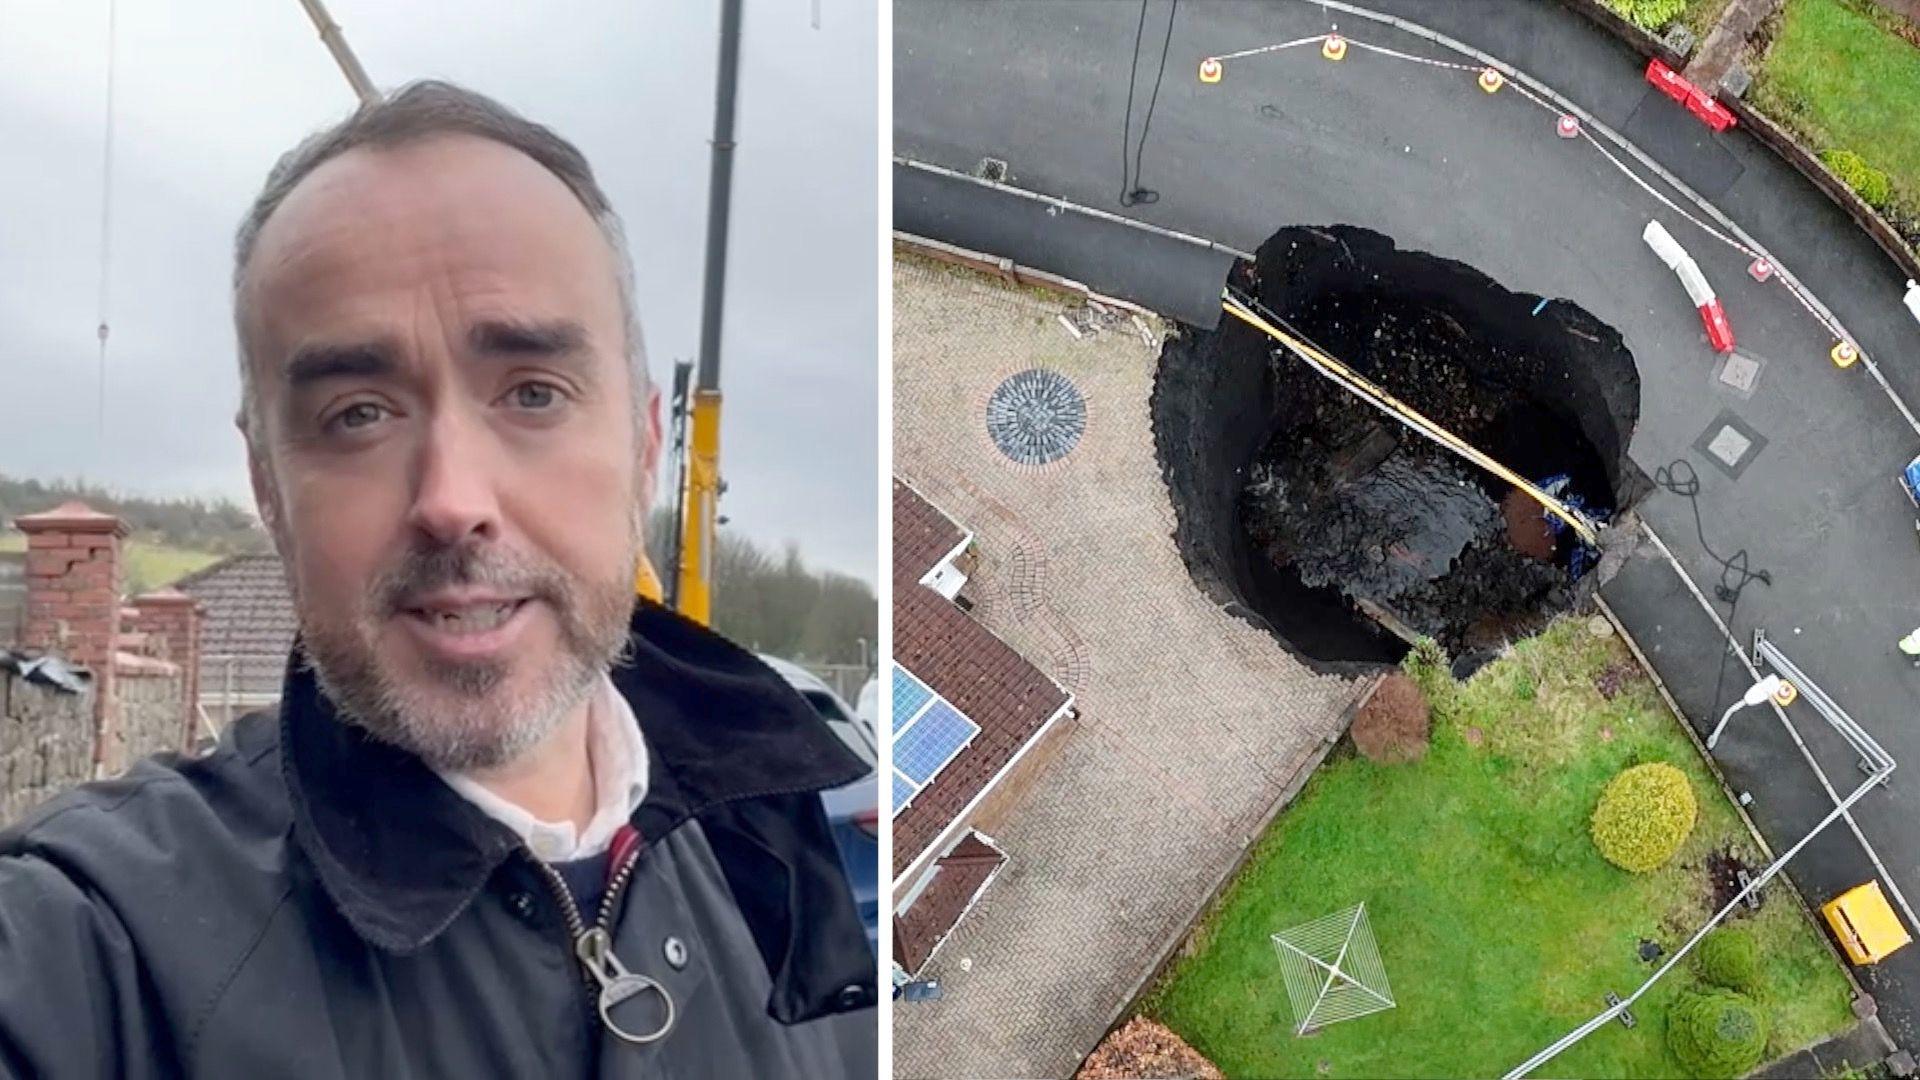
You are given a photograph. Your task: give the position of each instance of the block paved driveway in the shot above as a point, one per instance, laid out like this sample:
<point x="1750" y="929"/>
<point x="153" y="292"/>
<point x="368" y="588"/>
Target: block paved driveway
<point x="1192" y="722"/>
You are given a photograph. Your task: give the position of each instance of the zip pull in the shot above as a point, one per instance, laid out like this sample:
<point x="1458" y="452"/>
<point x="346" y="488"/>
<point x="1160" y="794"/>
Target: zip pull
<point x="617" y="984"/>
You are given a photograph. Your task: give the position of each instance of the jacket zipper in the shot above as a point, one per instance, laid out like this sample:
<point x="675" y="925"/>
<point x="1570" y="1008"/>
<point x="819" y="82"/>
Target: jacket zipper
<point x="601" y="971"/>
<point x="626" y="848"/>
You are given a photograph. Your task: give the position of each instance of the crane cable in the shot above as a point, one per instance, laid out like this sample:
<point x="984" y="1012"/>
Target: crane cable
<point x="1251" y="312"/>
<point x="106" y="226"/>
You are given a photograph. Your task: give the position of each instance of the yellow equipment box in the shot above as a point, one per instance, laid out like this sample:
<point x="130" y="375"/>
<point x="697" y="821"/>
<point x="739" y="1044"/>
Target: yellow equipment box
<point x="1864" y="922"/>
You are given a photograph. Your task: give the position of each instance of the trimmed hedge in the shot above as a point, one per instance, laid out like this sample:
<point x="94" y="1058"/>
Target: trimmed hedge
<point x="1717" y="1033"/>
<point x="1729" y="957"/>
<point x="1644" y="815"/>
<point x="1649" y="14"/>
<point x="1874" y="187"/>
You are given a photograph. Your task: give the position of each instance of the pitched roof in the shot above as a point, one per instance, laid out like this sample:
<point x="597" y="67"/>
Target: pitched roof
<point x="249" y="615"/>
<point x="922" y="535"/>
<point x="965" y="663"/>
<point x="960" y="876"/>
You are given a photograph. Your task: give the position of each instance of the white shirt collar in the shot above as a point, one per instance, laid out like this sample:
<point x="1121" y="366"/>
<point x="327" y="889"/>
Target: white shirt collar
<point x="619" y="759"/>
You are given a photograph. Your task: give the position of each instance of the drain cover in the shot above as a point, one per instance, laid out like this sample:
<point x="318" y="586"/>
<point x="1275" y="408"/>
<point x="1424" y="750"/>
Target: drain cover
<point x="1740" y="372"/>
<point x="1036" y="416"/>
<point x="1730" y="443"/>
<point x="1729" y="446"/>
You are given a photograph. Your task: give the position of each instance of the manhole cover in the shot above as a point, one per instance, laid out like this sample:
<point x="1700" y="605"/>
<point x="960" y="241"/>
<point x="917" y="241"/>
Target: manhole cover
<point x="1729" y="446"/>
<point x="1740" y="372"/>
<point x="1036" y="416"/>
<point x="992" y="169"/>
<point x="1730" y="443"/>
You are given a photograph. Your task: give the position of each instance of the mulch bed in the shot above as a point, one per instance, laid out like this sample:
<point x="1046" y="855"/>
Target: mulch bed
<point x="1145" y="1050"/>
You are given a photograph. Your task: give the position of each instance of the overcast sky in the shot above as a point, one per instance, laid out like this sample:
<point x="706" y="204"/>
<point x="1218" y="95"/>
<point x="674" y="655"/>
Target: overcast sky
<point x="208" y="94"/>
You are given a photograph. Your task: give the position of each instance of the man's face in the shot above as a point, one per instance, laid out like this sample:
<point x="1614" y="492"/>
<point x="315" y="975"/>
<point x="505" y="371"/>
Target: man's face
<point x="447" y="454"/>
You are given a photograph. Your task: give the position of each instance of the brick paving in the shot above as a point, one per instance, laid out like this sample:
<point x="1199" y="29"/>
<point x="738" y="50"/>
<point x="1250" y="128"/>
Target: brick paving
<point x="1192" y="722"/>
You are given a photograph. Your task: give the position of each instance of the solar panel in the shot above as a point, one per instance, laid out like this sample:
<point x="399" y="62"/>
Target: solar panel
<point x="902" y="791"/>
<point x="910" y="695"/>
<point x="926" y="746"/>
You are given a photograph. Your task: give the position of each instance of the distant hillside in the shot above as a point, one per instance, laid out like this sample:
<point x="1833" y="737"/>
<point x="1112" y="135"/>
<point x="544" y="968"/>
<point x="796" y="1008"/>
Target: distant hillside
<point x="200" y="525"/>
<point x="765" y="599"/>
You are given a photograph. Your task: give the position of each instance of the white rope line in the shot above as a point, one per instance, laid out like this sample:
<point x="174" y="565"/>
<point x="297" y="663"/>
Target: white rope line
<point x="1384" y="51"/>
<point x="1794" y="289"/>
<point x="1272" y="48"/>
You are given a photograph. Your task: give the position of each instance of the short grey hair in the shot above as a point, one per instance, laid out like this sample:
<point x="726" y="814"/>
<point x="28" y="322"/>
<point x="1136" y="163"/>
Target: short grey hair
<point x="414" y="113"/>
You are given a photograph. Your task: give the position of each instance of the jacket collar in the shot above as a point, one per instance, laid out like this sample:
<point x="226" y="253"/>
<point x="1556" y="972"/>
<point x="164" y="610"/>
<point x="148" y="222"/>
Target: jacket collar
<point x="401" y="854"/>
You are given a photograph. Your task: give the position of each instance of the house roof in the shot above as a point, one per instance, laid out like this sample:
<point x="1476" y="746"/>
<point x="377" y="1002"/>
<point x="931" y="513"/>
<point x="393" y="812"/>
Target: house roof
<point x="958" y="879"/>
<point x="965" y="663"/>
<point x="249" y="616"/>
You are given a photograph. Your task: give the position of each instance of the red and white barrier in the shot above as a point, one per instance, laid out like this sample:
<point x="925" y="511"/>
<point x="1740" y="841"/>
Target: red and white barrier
<point x="1698" y="102"/>
<point x="1712" y="315"/>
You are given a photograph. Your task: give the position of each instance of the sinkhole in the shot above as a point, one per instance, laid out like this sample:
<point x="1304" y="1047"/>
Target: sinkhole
<point x="1316" y="515"/>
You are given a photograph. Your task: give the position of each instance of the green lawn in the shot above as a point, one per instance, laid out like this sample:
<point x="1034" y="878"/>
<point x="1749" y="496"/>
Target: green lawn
<point x="1500" y="926"/>
<point x="1839" y="75"/>
<point x="149" y="565"/>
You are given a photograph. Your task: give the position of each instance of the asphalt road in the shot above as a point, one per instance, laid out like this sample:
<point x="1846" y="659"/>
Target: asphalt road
<point x="1421" y="154"/>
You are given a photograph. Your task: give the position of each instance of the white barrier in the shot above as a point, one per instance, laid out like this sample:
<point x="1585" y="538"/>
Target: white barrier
<point x="1712" y="315"/>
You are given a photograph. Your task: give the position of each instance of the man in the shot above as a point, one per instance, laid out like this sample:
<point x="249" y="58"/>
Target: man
<point x="503" y="822"/>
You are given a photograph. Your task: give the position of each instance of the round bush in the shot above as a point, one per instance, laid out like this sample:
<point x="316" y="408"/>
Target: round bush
<point x="1729" y="957"/>
<point x="1872" y="185"/>
<point x="1644" y="816"/>
<point x="1717" y="1033"/>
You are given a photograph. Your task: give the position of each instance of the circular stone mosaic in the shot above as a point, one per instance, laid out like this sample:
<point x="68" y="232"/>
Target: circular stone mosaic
<point x="1036" y="416"/>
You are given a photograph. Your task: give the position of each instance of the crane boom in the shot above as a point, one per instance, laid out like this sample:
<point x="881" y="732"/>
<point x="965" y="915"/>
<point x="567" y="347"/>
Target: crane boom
<point x="694" y="596"/>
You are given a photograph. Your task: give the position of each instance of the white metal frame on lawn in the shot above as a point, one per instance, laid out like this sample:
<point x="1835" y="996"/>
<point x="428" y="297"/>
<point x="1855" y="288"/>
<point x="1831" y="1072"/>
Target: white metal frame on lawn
<point x="1340" y="994"/>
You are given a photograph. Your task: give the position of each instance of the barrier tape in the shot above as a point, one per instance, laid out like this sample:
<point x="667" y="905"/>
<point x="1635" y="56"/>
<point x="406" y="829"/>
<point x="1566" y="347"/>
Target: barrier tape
<point x="1357" y="384"/>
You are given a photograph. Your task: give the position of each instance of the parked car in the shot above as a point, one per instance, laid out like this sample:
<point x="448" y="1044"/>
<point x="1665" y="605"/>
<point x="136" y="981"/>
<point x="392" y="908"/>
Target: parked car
<point x="854" y="809"/>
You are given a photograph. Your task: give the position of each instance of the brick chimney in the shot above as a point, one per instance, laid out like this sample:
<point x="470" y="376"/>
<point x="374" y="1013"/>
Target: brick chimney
<point x="171" y="620"/>
<point x="74" y="579"/>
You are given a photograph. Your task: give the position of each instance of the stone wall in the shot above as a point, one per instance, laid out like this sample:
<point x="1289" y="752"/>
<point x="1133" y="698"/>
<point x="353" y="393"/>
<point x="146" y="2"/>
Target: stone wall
<point x="46" y="743"/>
<point x="150" y="696"/>
<point x="143" y="661"/>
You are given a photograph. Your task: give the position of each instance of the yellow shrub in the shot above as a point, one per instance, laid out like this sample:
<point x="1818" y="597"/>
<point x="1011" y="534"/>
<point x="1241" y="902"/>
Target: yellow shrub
<point x="1644" y="816"/>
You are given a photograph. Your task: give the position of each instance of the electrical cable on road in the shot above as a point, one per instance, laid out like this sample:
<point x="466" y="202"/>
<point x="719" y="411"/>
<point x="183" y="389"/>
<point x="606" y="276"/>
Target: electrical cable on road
<point x="1132" y="193"/>
<point x="1679" y="478"/>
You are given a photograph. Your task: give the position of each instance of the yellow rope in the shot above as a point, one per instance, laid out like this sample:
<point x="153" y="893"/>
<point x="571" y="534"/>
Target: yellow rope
<point x="1394" y="407"/>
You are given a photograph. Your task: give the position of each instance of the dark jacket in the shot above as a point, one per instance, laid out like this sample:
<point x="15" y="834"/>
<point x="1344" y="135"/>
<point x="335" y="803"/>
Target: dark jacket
<point x="306" y="902"/>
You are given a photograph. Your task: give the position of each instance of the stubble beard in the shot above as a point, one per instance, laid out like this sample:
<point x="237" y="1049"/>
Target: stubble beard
<point x="462" y="716"/>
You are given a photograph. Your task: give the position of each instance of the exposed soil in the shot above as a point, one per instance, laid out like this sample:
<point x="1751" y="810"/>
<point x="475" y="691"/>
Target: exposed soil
<point x="1344" y="533"/>
<point x="1616" y="677"/>
<point x="1723" y="877"/>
